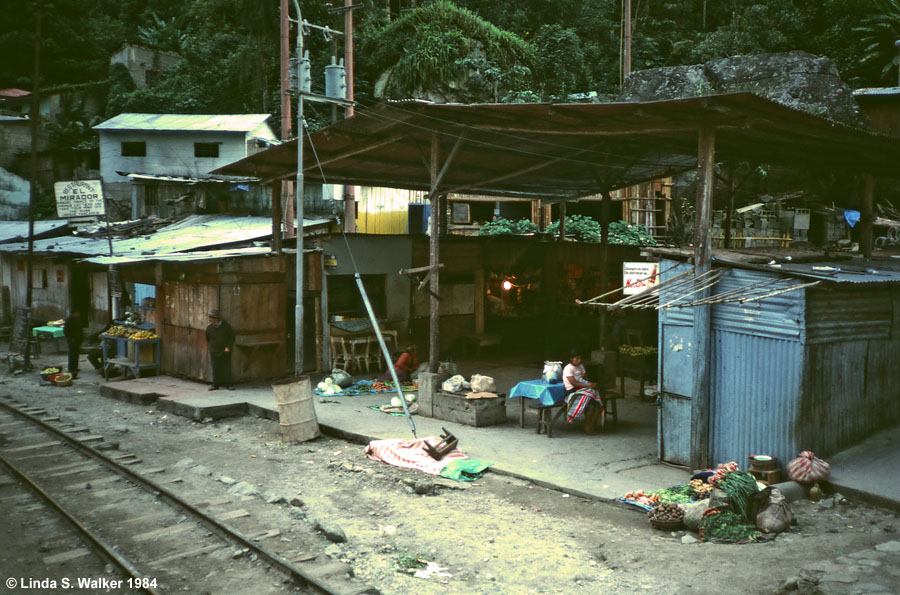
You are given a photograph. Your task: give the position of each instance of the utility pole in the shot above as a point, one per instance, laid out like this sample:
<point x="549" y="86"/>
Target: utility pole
<point x="32" y="195"/>
<point x="349" y="191"/>
<point x="303" y="91"/>
<point x="626" y="40"/>
<point x="285" y="44"/>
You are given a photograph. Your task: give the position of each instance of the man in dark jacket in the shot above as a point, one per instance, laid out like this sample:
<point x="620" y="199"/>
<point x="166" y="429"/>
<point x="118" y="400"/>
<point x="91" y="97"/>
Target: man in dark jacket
<point x="220" y="338"/>
<point x="74" y="333"/>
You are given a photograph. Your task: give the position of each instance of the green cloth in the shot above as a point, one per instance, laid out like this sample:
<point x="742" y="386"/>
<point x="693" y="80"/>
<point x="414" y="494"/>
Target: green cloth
<point x="465" y="469"/>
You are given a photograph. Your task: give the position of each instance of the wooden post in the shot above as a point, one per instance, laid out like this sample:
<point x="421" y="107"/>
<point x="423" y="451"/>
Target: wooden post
<point x="604" y="260"/>
<point x="479" y="300"/>
<point x="700" y="402"/>
<point x="276" y="216"/>
<point x="433" y="260"/>
<point x="562" y="221"/>
<point x="731" y="191"/>
<point x="866" y="215"/>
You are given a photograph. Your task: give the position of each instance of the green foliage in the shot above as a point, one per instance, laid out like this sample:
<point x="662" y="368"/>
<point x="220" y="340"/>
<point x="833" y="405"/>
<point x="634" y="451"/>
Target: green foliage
<point x="586" y="229"/>
<point x="507" y="227"/>
<point x="433" y="49"/>
<point x="878" y="32"/>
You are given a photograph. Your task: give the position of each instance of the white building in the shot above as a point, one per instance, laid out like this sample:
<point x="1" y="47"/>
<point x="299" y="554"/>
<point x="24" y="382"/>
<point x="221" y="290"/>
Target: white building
<point x="178" y="145"/>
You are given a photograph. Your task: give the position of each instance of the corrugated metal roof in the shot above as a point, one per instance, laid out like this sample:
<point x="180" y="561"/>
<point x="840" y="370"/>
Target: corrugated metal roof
<point x="183" y="256"/>
<point x="877" y="92"/>
<point x="191" y="180"/>
<point x="842" y="271"/>
<point x="6" y="118"/>
<point x="552" y="151"/>
<point x="173" y="122"/>
<point x="14" y="230"/>
<point x="191" y="233"/>
<point x="178" y="256"/>
<point x="13" y="93"/>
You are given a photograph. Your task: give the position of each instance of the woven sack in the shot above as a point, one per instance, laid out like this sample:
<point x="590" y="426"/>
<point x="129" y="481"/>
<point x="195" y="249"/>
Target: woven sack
<point x="808" y="468"/>
<point x="482" y="384"/>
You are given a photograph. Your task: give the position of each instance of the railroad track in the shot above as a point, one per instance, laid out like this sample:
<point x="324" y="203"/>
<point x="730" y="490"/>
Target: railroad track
<point x="147" y="537"/>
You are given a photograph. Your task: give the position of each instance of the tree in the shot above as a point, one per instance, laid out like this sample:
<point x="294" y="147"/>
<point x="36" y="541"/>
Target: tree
<point x="436" y="51"/>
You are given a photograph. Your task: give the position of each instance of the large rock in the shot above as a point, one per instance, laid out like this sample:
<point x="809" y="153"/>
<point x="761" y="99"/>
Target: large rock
<point x="796" y="79"/>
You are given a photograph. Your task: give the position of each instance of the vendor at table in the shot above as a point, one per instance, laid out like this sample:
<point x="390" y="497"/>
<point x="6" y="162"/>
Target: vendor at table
<point x="584" y="401"/>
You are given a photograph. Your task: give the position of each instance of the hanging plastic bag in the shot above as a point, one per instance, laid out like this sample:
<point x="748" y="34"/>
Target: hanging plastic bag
<point x="808" y="468"/>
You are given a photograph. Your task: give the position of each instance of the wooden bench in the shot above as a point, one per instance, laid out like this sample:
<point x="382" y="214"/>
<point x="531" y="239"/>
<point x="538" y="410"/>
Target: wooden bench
<point x="547" y="417"/>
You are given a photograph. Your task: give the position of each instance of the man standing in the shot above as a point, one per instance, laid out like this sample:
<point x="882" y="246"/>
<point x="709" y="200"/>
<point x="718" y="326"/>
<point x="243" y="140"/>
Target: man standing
<point x="74" y="333"/>
<point x="220" y="338"/>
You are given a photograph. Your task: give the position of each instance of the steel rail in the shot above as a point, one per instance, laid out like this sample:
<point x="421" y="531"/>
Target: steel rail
<point x="100" y="547"/>
<point x="164" y="494"/>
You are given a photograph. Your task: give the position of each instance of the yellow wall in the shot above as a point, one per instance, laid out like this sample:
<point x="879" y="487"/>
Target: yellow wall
<point x="384" y="210"/>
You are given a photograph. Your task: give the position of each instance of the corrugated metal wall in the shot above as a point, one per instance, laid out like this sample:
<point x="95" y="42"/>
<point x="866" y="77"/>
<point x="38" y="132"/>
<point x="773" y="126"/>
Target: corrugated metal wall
<point x="756" y="371"/>
<point x="853" y="386"/>
<point x="384" y="210"/>
<point x="755" y="385"/>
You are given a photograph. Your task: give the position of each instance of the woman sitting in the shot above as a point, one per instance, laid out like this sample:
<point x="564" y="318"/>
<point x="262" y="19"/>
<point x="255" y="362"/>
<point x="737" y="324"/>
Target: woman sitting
<point x="584" y="401"/>
<point x="405" y="365"/>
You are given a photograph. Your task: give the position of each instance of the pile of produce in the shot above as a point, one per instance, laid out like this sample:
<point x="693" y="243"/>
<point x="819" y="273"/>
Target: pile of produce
<point x="329" y="387"/>
<point x="379" y="386"/>
<point x="725" y="526"/>
<point x="51" y="370"/>
<point x="701" y="489"/>
<point x="636" y="351"/>
<point x="410" y="398"/>
<point x="678" y="494"/>
<point x="666" y="514"/>
<point x="641" y="498"/>
<point x="141" y="335"/>
<point x="130" y="333"/>
<point x="740" y="486"/>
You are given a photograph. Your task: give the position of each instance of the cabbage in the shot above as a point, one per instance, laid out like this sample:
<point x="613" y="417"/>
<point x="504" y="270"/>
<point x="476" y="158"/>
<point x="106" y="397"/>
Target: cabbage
<point x="410" y="398"/>
<point x="322" y="387"/>
<point x="395" y="401"/>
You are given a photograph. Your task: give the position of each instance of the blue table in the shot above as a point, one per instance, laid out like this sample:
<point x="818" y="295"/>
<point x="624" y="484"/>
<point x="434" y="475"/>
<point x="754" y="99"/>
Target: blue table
<point x="546" y="394"/>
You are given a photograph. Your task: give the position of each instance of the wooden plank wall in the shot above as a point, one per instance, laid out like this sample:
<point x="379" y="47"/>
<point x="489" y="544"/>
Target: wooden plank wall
<point x="249" y="292"/>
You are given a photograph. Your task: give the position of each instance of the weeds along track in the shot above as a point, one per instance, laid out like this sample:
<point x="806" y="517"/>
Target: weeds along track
<point x="125" y="526"/>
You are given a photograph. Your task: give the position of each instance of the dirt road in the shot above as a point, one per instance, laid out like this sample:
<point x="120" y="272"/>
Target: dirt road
<point x="497" y="535"/>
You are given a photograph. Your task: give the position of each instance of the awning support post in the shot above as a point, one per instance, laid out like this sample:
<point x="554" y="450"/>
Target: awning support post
<point x="700" y="402"/>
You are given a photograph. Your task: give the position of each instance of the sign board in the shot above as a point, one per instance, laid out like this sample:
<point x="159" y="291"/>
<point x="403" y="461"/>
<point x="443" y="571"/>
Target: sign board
<point x="79" y="198"/>
<point x="639" y="276"/>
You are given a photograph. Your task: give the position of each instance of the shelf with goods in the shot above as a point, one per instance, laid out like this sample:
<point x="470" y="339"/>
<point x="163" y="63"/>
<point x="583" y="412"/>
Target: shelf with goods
<point x="134" y="353"/>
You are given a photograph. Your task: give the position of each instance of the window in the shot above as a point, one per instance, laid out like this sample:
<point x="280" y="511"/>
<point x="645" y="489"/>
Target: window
<point x="206" y="149"/>
<point x="134" y="149"/>
<point x="344" y="298"/>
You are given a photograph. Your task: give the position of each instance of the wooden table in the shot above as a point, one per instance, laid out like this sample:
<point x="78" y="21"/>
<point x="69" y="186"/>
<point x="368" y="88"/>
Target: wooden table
<point x="135" y="363"/>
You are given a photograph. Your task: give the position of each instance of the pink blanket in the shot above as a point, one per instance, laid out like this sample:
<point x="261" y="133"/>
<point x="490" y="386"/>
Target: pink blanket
<point x="411" y="454"/>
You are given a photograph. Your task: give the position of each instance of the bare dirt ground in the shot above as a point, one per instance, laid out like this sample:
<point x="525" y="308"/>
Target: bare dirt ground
<point x="496" y="535"/>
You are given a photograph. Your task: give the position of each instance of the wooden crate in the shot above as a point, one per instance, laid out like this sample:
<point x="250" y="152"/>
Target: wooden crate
<point x="472" y="412"/>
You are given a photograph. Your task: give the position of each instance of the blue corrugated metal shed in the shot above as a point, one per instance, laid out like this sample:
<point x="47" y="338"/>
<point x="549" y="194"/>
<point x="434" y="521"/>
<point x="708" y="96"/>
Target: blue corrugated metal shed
<point x="808" y="369"/>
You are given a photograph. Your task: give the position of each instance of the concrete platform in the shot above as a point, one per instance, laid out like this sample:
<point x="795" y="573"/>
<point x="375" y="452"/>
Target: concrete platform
<point x="622" y="458"/>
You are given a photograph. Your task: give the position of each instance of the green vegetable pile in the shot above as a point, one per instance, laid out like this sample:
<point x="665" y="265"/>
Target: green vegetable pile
<point x="725" y="526"/>
<point x="678" y="494"/>
<point x="410" y="564"/>
<point x="740" y="486"/>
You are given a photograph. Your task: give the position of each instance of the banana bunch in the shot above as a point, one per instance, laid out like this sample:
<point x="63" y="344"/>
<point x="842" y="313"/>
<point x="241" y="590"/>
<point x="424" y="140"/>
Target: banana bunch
<point x="636" y="351"/>
<point x="118" y="331"/>
<point x="141" y="335"/>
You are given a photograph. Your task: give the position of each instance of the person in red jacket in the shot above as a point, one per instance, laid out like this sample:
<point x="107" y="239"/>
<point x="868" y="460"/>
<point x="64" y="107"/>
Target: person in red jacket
<point x="406" y="364"/>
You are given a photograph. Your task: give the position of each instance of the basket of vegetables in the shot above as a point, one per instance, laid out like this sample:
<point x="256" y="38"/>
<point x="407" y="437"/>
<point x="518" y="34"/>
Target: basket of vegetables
<point x="46" y="373"/>
<point x="666" y="516"/>
<point x="62" y="379"/>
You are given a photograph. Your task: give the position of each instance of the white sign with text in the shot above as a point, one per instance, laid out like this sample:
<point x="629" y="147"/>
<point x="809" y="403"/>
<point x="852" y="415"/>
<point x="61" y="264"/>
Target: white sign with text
<point x="639" y="276"/>
<point x="79" y="198"/>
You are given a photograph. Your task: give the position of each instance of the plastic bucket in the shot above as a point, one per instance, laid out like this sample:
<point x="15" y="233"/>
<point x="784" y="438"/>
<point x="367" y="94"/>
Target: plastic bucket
<point x="296" y="411"/>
